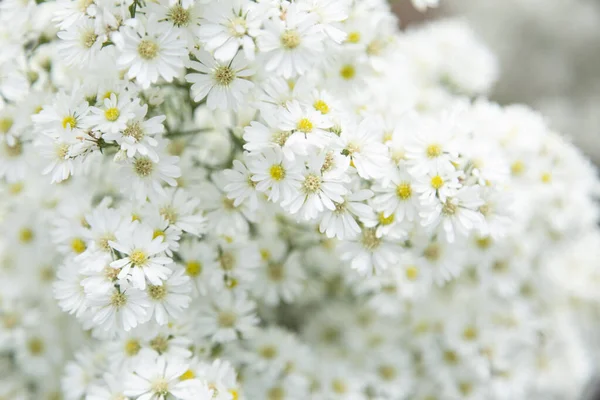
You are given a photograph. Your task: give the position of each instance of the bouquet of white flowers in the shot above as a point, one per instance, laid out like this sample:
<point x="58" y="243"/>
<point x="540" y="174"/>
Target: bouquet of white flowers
<point x="277" y="199"/>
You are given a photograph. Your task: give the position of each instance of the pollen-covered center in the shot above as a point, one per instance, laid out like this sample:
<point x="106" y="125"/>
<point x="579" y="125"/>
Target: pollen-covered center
<point x="132" y="347"/>
<point x="135" y="131"/>
<point x="69" y="121"/>
<point x="290" y="39"/>
<point x="88" y="39"/>
<point x="226" y="319"/>
<point x="449" y="208"/>
<point x="347" y="72"/>
<point x="277" y="172"/>
<point x="112" y="114"/>
<point x="224" y="75"/>
<point x="404" y="191"/>
<point x="160" y="387"/>
<point x="179" y="16"/>
<point x="280" y="138"/>
<point x="312" y="183"/>
<point x="118" y="300"/>
<point x="138" y="258"/>
<point x="237" y="27"/>
<point x="78" y="245"/>
<point x="305" y="125"/>
<point x="143" y="166"/>
<point x="383" y="220"/>
<point x="321" y="106"/>
<point x="437" y="182"/>
<point x="193" y="268"/>
<point x="157" y="292"/>
<point x="6" y="124"/>
<point x="147" y="49"/>
<point x="433" y="151"/>
<point x="369" y="239"/>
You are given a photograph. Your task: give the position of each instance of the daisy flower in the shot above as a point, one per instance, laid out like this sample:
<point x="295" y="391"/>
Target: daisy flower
<point x="240" y="186"/>
<point x="341" y="222"/>
<point x="200" y="260"/>
<point x="320" y="186"/>
<point x="223" y="84"/>
<point x="309" y="127"/>
<point x="367" y="154"/>
<point x="160" y="379"/>
<point x="119" y="308"/>
<point x="143" y="177"/>
<point x="181" y="210"/>
<point x="142" y="256"/>
<point x="138" y="134"/>
<point x="150" y="50"/>
<point x="226" y="316"/>
<point x="113" y="117"/>
<point x="168" y="300"/>
<point x="397" y="197"/>
<point x="229" y="25"/>
<point x="181" y="16"/>
<point x="369" y="254"/>
<point x="275" y="175"/>
<point x="458" y="214"/>
<point x="80" y="44"/>
<point x="291" y="44"/>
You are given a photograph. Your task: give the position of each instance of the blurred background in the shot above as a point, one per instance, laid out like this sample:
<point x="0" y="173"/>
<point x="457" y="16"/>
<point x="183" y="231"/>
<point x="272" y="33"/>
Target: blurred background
<point x="549" y="56"/>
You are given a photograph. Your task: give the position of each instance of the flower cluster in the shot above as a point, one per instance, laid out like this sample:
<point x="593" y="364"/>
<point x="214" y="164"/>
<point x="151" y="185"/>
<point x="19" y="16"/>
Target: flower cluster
<point x="278" y="200"/>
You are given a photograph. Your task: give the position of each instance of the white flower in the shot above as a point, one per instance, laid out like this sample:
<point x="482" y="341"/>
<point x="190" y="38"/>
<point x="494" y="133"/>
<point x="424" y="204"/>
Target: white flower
<point x="142" y="256"/>
<point x="80" y="43"/>
<point x="369" y="254"/>
<point x="458" y="214"/>
<point x="228" y="26"/>
<point x="341" y="222"/>
<point x="144" y="177"/>
<point x="227" y="316"/>
<point x="275" y="175"/>
<point x="397" y="197"/>
<point x="369" y="156"/>
<point x="222" y="84"/>
<point x="138" y="135"/>
<point x="240" y="186"/>
<point x="171" y="298"/>
<point x="159" y="379"/>
<point x="292" y="44"/>
<point x="113" y="117"/>
<point x="119" y="308"/>
<point x="321" y="184"/>
<point x="150" y="50"/>
<point x="309" y="126"/>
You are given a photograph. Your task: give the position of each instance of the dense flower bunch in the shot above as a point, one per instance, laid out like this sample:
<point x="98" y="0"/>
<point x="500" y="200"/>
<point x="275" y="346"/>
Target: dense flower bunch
<point x="278" y="200"/>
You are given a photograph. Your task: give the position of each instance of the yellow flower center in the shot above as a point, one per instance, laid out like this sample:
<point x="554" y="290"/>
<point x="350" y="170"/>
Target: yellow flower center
<point x="277" y="172"/>
<point x="433" y="150"/>
<point x="193" y="268"/>
<point x="353" y="37"/>
<point x="348" y="72"/>
<point x="179" y="16"/>
<point x="404" y="191"/>
<point x="224" y="75"/>
<point x="437" y="182"/>
<point x="138" y="258"/>
<point x="412" y="273"/>
<point x="143" y="166"/>
<point x="290" y="39"/>
<point x="25" y="235"/>
<point x="112" y="114"/>
<point x="70" y="121"/>
<point x="78" y="245"/>
<point x="321" y="106"/>
<point x="517" y="168"/>
<point x="383" y="220"/>
<point x="5" y="124"/>
<point x="305" y="125"/>
<point x="132" y="347"/>
<point x="157" y="292"/>
<point x="189" y="374"/>
<point x="147" y="49"/>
